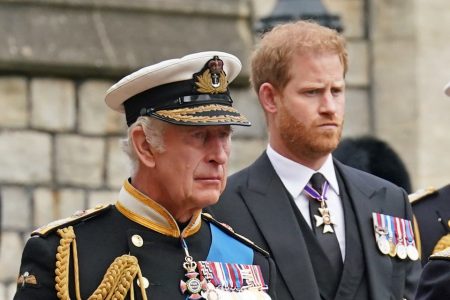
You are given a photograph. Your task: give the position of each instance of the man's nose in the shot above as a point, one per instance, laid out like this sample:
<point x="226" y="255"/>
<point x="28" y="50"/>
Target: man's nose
<point x="219" y="150"/>
<point x="327" y="103"/>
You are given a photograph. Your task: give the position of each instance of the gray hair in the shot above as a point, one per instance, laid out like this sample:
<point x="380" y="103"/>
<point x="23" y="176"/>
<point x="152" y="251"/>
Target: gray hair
<point x="154" y="135"/>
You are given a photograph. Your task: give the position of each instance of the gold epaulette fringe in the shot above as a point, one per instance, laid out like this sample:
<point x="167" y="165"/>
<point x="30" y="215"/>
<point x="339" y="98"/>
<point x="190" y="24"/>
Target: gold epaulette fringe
<point x="443" y="254"/>
<point x="421" y="194"/>
<point x="442" y="244"/>
<point x="116" y="283"/>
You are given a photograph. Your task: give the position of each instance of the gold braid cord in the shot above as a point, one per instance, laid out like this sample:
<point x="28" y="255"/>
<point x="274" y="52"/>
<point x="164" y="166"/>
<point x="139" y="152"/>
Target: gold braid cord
<point x="187" y="114"/>
<point x="118" y="280"/>
<point x="116" y="283"/>
<point x="63" y="262"/>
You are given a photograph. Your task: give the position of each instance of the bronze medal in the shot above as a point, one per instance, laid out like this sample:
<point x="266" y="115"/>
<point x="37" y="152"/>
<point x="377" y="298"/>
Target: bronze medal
<point x="392" y="249"/>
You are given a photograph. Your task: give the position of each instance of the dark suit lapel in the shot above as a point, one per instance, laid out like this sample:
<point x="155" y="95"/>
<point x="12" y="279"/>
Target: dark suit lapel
<point x="367" y="200"/>
<point x="269" y="204"/>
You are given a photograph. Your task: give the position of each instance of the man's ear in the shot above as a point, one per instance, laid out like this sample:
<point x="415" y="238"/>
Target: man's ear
<point x="268" y="97"/>
<point x="142" y="148"/>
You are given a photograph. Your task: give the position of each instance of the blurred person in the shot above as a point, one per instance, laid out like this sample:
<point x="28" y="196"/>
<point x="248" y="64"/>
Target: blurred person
<point x="329" y="227"/>
<point x="155" y="242"/>
<point x="431" y="211"/>
<point x="374" y="156"/>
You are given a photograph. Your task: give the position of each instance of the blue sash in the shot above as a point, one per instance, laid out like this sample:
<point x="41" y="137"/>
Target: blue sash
<point x="227" y="249"/>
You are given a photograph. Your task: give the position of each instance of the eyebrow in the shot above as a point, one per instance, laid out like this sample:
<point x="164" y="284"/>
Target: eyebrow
<point x="312" y="84"/>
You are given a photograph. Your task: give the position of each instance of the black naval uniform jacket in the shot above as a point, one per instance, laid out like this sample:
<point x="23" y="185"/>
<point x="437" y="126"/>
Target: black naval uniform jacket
<point x="108" y="232"/>
<point x="434" y="282"/>
<point x="432" y="213"/>
<point x="256" y="203"/>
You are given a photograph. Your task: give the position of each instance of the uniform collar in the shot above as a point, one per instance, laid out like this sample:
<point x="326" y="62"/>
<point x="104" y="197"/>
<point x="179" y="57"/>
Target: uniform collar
<point x="296" y="176"/>
<point x="143" y="210"/>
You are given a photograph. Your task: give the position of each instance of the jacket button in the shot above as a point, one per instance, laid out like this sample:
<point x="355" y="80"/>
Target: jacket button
<point x="137" y="240"/>
<point x="144" y="280"/>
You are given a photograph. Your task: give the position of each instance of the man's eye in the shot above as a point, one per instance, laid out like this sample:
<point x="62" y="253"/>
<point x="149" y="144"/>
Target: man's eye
<point x="312" y="92"/>
<point x="336" y="91"/>
<point x="199" y="135"/>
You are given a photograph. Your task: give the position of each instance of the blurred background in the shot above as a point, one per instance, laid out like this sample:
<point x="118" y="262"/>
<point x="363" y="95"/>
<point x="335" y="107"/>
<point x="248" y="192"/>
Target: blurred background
<point x="59" y="143"/>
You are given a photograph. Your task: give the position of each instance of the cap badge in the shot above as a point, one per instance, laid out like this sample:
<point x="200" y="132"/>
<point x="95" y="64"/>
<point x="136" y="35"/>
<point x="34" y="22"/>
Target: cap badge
<point x="213" y="79"/>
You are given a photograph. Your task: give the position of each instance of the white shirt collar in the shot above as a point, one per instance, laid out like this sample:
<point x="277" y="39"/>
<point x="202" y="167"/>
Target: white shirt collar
<point x="295" y="176"/>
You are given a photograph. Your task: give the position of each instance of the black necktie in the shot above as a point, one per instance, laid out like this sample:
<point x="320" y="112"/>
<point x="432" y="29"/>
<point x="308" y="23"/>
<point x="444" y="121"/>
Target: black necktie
<point x="327" y="240"/>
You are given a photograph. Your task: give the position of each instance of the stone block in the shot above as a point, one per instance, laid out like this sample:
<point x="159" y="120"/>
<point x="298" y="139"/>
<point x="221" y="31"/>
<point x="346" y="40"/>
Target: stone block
<point x="13" y="100"/>
<point x="358" y="71"/>
<point x="36" y="34"/>
<point x="70" y="201"/>
<point x="262" y="8"/>
<point x="392" y="20"/>
<point x="25" y="157"/>
<point x="3" y="289"/>
<point x="357" y="113"/>
<point x="50" y="204"/>
<point x="45" y="207"/>
<point x="16" y="208"/>
<point x="53" y="104"/>
<point x="10" y="290"/>
<point x="10" y="248"/>
<point x="246" y="101"/>
<point x="244" y="152"/>
<point x="118" y="165"/>
<point x="95" y="117"/>
<point x="395" y="96"/>
<point x="80" y="160"/>
<point x="102" y="197"/>
<point x="352" y="16"/>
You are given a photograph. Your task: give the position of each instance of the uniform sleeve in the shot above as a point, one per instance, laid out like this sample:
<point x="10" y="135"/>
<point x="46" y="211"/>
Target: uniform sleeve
<point x="435" y="281"/>
<point x="36" y="278"/>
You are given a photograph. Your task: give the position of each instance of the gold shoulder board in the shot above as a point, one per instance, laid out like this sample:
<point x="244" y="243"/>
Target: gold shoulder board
<point x="444" y="254"/>
<point x="421" y="194"/>
<point x="227" y="229"/>
<point x="75" y="218"/>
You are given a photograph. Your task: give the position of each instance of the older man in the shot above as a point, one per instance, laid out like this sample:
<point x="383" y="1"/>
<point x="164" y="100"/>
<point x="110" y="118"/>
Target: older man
<point x="329" y="227"/>
<point x="154" y="242"/>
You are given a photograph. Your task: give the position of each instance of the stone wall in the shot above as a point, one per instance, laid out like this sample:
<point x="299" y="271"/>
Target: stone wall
<point x="59" y="143"/>
<point x="411" y="65"/>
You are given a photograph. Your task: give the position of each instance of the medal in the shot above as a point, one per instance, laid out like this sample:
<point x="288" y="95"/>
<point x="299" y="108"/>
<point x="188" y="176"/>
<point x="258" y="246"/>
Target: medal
<point x="411" y="249"/>
<point x="392" y="249"/>
<point x="381" y="233"/>
<point x="325" y="217"/>
<point x="193" y="285"/>
<point x="383" y="245"/>
<point x="391" y="236"/>
<point x="399" y="232"/>
<point x="231" y="281"/>
<point x="412" y="252"/>
<point x="400" y="249"/>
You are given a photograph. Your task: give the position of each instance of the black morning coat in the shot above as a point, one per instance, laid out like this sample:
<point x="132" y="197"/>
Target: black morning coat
<point x="256" y="203"/>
